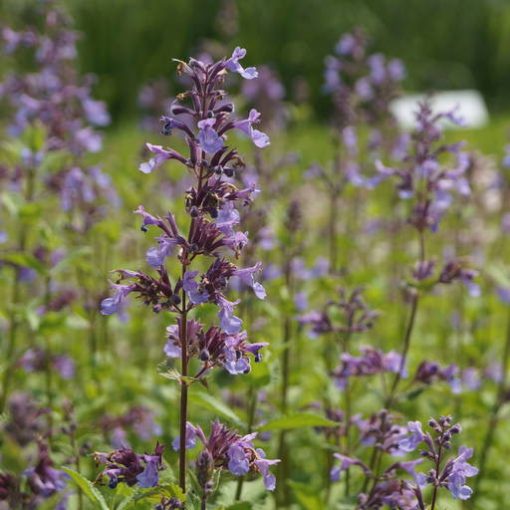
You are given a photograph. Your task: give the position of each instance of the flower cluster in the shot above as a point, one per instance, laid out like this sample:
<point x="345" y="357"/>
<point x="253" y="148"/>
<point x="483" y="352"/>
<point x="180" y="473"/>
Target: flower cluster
<point x="372" y="361"/>
<point x="40" y="482"/>
<point x="213" y="347"/>
<point x="424" y="179"/>
<point x="138" y="419"/>
<point x="126" y="466"/>
<point x="361" y="84"/>
<point x="390" y="488"/>
<point x="347" y="315"/>
<point x="225" y="449"/>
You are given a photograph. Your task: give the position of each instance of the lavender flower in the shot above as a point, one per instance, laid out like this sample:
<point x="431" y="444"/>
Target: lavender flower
<point x="227" y="450"/>
<point x="44" y="480"/>
<point x="126" y="466"/>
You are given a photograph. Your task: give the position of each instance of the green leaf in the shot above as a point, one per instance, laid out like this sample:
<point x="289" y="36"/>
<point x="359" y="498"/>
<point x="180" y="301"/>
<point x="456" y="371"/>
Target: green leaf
<point x="297" y="421"/>
<point x="242" y="505"/>
<point x="25" y="260"/>
<point x="207" y="401"/>
<point x="87" y="487"/>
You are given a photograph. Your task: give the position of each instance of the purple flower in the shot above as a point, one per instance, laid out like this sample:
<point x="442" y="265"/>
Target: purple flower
<point x="156" y="256"/>
<point x="238" y="463"/>
<point x="149" y="477"/>
<point x="259" y="138"/>
<point x="504" y="294"/>
<point x="191" y="438"/>
<point x="115" y="303"/>
<point x="459" y="470"/>
<point x="160" y="156"/>
<point x="345" y="463"/>
<point x="44" y="479"/>
<point x="246" y="275"/>
<point x="96" y="112"/>
<point x="228" y="321"/>
<point x="233" y="65"/>
<point x="415" y="436"/>
<point x="208" y="138"/>
<point x="192" y="289"/>
<point x="263" y="465"/>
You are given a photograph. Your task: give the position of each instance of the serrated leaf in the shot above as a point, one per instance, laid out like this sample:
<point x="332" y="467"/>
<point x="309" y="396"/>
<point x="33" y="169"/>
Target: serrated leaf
<point x="87" y="487"/>
<point x="297" y="421"/>
<point x="207" y="401"/>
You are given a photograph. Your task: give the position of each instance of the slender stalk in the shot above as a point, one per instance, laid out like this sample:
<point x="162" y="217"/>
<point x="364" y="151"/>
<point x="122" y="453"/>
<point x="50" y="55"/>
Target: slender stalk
<point x="405" y="351"/>
<point x="77" y="463"/>
<point x="285" y="364"/>
<point x="184" y="388"/>
<point x="203" y="502"/>
<point x="332" y="232"/>
<point x="14" y="322"/>
<point x="438" y="465"/>
<point x="494" y="414"/>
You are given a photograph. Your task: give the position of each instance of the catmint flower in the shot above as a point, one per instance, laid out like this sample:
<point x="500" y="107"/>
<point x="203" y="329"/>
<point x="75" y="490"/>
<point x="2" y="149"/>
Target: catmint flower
<point x="115" y="303"/>
<point x="214" y="347"/>
<point x="413" y="438"/>
<point x="160" y="156"/>
<point x="233" y="64"/>
<point x="125" y="466"/>
<point x="260" y="139"/>
<point x="44" y="479"/>
<point x="457" y="471"/>
<point x="137" y="419"/>
<point x="345" y="463"/>
<point x="225" y="449"/>
<point x="423" y="177"/>
<point x="371" y="361"/>
<point x="208" y="138"/>
<point x="191" y="438"/>
<point x="25" y="419"/>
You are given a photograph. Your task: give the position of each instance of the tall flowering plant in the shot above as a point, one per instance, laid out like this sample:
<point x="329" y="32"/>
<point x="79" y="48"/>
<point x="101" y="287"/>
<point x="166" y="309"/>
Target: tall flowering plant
<point x="361" y="86"/>
<point x="51" y="129"/>
<point x="193" y="266"/>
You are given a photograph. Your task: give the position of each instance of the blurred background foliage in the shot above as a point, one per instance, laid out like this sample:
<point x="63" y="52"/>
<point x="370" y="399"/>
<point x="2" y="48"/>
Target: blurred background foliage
<point x="445" y="44"/>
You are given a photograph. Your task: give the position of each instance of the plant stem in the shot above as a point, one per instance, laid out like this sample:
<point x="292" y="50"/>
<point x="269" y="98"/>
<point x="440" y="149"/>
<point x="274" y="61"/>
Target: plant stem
<point x="405" y="351"/>
<point x="252" y="406"/>
<point x="332" y="232"/>
<point x="15" y="299"/>
<point x="184" y="388"/>
<point x="438" y="465"/>
<point x="494" y="414"/>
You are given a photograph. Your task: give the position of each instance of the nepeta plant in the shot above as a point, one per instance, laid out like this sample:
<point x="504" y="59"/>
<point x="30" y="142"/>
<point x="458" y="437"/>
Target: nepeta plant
<point x="361" y="87"/>
<point x="202" y="257"/>
<point x="51" y="114"/>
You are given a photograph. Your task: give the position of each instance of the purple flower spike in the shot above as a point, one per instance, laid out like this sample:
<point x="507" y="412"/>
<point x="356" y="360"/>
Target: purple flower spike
<point x="233" y="65"/>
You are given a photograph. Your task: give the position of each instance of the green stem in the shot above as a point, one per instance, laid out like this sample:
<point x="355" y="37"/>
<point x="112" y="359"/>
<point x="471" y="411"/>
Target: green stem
<point x="494" y="414"/>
